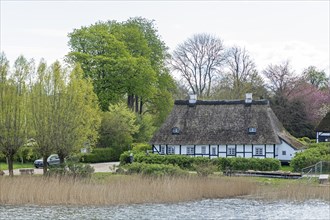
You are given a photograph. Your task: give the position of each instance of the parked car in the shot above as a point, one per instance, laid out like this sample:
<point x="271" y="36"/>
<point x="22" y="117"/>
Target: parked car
<point x="51" y="160"/>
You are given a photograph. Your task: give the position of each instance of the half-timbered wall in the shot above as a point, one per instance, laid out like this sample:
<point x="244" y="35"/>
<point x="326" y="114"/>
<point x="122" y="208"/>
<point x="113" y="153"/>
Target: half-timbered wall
<point x="283" y="151"/>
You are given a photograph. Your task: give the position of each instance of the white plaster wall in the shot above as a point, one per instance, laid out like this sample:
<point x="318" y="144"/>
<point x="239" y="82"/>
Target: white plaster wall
<point x="248" y="155"/>
<point x="222" y="148"/>
<point x="290" y="152"/>
<point x="270" y="148"/>
<point x="248" y="148"/>
<point x="222" y="154"/>
<point x="239" y="148"/>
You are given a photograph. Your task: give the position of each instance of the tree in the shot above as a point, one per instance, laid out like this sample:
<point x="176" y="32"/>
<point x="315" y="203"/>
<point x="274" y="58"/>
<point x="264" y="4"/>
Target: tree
<point x="241" y="68"/>
<point x="124" y="60"/>
<point x="13" y="111"/>
<point x="42" y="110"/>
<point x="65" y="111"/>
<point x="316" y="77"/>
<point x="199" y="60"/>
<point x="118" y="126"/>
<point x="78" y="115"/>
<point x="240" y="77"/>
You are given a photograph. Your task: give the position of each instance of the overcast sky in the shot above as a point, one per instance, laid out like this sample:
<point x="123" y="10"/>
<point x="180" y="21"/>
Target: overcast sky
<point x="272" y="31"/>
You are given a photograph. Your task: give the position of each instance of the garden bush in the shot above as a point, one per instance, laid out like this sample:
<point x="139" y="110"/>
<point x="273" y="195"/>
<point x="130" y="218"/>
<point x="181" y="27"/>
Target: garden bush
<point x="244" y="164"/>
<point x="71" y="168"/>
<point x="154" y="169"/>
<point x="99" y="155"/>
<point x="190" y="163"/>
<point x="314" y="154"/>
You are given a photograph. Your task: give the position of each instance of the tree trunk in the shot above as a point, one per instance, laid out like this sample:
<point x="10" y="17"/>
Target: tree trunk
<point x="130" y="102"/>
<point x="136" y="104"/>
<point x="10" y="165"/>
<point x="141" y="104"/>
<point x="61" y="156"/>
<point x="44" y="160"/>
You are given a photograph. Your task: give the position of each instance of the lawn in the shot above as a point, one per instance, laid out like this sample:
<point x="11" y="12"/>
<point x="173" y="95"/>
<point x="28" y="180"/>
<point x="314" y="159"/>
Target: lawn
<point x="286" y="168"/>
<point x="17" y="165"/>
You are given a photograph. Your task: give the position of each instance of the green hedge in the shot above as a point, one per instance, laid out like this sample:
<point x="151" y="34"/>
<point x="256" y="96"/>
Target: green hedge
<point x="314" y="154"/>
<point x="154" y="169"/>
<point x="99" y="155"/>
<point x="243" y="164"/>
<point x="189" y="163"/>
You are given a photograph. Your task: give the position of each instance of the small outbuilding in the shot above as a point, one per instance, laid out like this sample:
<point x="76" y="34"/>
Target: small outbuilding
<point x="226" y="128"/>
<point x="323" y="129"/>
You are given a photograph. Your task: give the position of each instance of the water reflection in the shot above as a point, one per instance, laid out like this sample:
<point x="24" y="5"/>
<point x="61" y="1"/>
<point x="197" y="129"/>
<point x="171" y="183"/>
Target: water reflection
<point x="205" y="209"/>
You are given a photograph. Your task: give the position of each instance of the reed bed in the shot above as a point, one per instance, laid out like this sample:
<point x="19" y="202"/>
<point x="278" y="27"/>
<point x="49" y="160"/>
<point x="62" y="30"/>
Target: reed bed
<point x="294" y="192"/>
<point x="123" y="190"/>
<point x="137" y="189"/>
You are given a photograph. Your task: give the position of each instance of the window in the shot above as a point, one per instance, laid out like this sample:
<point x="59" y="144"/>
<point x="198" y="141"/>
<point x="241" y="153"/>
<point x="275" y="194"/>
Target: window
<point x="203" y="150"/>
<point x="162" y="149"/>
<point x="214" y="151"/>
<point x="283" y="152"/>
<point x="259" y="151"/>
<point x="175" y="130"/>
<point x="231" y="151"/>
<point x="171" y="150"/>
<point x="190" y="150"/>
<point x="252" y="130"/>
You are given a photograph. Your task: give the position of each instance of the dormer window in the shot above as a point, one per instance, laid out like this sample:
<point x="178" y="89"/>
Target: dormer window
<point x="175" y="130"/>
<point x="252" y="130"/>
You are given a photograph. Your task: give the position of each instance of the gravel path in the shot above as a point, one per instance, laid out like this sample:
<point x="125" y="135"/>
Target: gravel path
<point x="98" y="167"/>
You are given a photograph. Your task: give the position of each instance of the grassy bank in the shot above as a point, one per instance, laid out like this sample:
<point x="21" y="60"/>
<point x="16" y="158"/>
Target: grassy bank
<point x="105" y="189"/>
<point x="17" y="165"/>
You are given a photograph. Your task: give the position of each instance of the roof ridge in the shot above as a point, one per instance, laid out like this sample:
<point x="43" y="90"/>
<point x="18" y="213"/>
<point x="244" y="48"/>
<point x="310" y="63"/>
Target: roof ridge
<point x="222" y="102"/>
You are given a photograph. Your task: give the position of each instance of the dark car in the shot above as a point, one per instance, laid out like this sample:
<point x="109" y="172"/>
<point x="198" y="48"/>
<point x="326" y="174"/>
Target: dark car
<point x="51" y="160"/>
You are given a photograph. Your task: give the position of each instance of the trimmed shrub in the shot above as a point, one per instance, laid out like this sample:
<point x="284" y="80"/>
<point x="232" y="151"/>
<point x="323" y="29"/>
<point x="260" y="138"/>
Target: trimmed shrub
<point x="190" y="163"/>
<point x="99" y="155"/>
<point x="244" y="164"/>
<point x="314" y="154"/>
<point x="154" y="169"/>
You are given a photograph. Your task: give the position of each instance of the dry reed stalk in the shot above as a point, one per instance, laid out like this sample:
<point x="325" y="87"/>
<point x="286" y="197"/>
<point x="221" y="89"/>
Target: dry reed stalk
<point x="126" y="190"/>
<point x="295" y="192"/>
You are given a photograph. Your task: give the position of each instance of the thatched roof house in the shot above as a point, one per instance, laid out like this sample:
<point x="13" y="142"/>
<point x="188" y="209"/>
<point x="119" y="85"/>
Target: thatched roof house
<point x="323" y="129"/>
<point x="242" y="124"/>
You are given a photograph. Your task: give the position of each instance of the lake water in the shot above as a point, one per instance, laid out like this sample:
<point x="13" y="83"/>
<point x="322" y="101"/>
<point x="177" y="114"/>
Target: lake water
<point x="205" y="209"/>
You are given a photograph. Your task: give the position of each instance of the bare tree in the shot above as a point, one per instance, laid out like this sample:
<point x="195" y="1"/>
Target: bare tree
<point x="199" y="60"/>
<point x="241" y="68"/>
<point x="282" y="79"/>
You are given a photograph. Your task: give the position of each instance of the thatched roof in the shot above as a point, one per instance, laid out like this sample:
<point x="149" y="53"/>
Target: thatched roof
<point x="324" y="124"/>
<point x="222" y="122"/>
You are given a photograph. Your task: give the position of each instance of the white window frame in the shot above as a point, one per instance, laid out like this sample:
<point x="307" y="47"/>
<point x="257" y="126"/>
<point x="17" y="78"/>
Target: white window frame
<point x="283" y="152"/>
<point x="231" y="151"/>
<point x="190" y="150"/>
<point x="203" y="150"/>
<point x="162" y="150"/>
<point x="259" y="151"/>
<point x="214" y="151"/>
<point x="171" y="150"/>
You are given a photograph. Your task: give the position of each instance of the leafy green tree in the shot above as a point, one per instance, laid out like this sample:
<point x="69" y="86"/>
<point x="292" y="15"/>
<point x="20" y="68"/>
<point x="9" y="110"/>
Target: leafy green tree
<point x="316" y="77"/>
<point x="78" y="115"/>
<point x="43" y="98"/>
<point x="13" y="102"/>
<point x="65" y="111"/>
<point x="118" y="127"/>
<point x="124" y="60"/>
